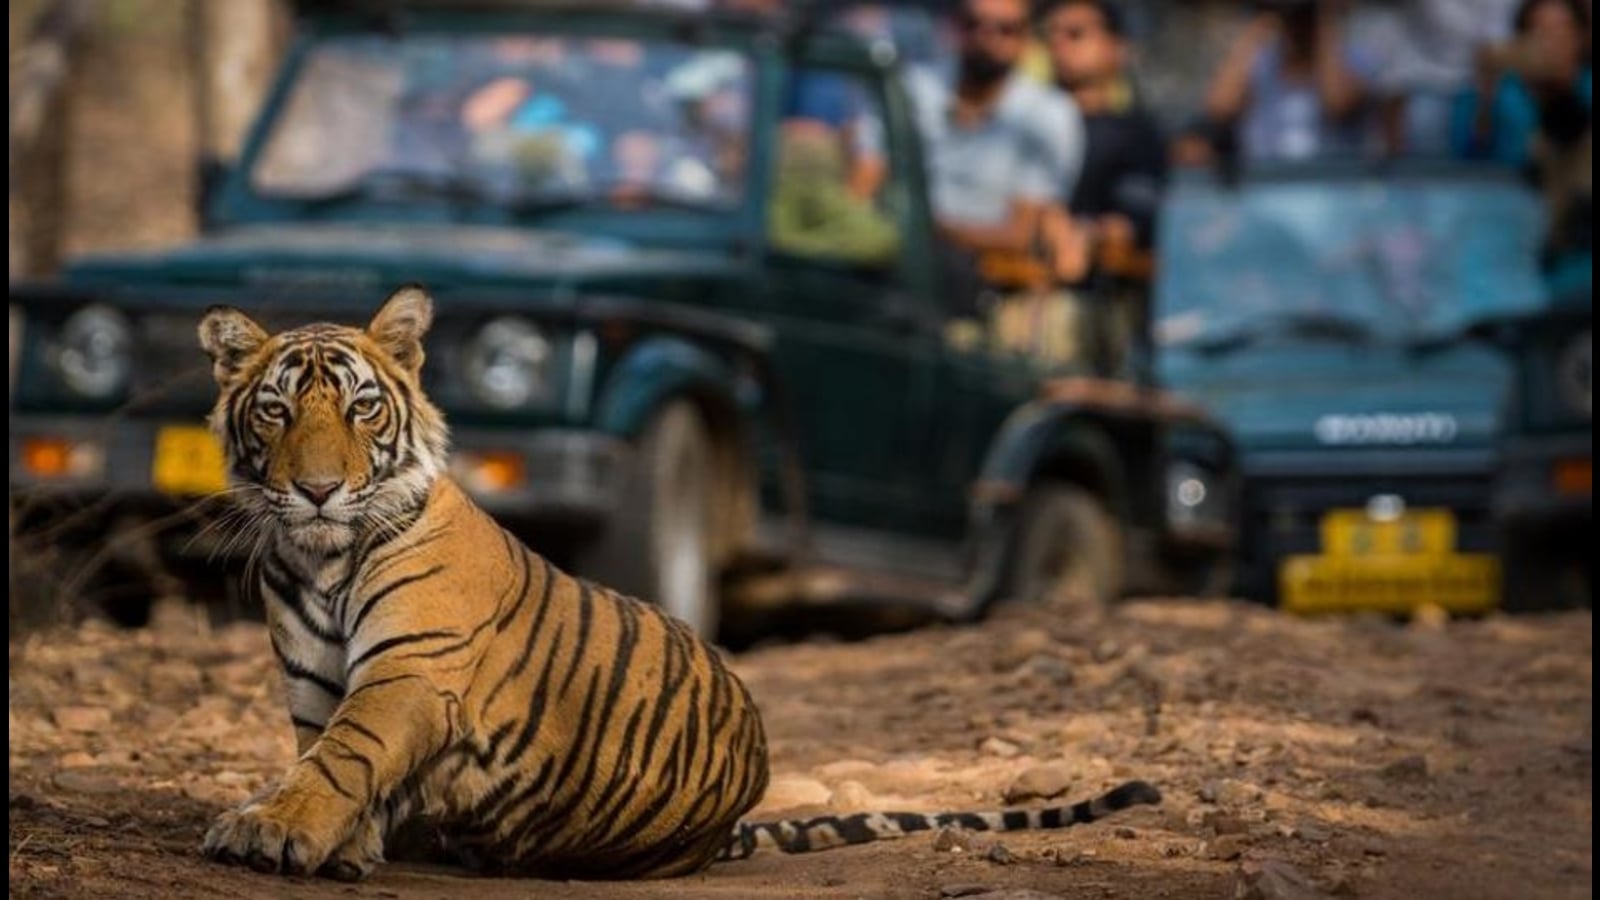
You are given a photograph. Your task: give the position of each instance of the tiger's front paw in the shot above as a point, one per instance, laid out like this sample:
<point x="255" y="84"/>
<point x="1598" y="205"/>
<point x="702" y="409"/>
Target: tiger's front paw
<point x="358" y="855"/>
<point x="265" y="837"/>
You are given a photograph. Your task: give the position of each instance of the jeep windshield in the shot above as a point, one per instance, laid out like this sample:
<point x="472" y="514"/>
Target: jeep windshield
<point x="1345" y="255"/>
<point x="521" y="123"/>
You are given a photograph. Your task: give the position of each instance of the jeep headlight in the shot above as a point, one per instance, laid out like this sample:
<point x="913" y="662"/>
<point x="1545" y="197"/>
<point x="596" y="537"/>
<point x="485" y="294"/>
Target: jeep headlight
<point x="1194" y="496"/>
<point x="94" y="352"/>
<point x="508" y="363"/>
<point x="1575" y="374"/>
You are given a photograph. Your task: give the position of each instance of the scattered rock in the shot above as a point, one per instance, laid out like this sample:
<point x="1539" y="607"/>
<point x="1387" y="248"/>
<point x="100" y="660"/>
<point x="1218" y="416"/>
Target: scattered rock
<point x="1372" y="848"/>
<point x="1430" y="617"/>
<point x="1048" y="669"/>
<point x="1000" y="747"/>
<point x="1342" y="884"/>
<point x="1266" y="831"/>
<point x="1407" y="768"/>
<point x="23" y="801"/>
<point x="1229" y="792"/>
<point x="82" y="719"/>
<point x="851" y="796"/>
<point x="174" y="679"/>
<point x="1275" y="879"/>
<point x="232" y="779"/>
<point x="1068" y="856"/>
<point x="1023" y="646"/>
<point x="96" y="821"/>
<point x="208" y="791"/>
<point x="789" y="791"/>
<point x="1309" y="830"/>
<point x="77" y="759"/>
<point x="1364" y="715"/>
<point x="999" y="853"/>
<point x="1124" y="832"/>
<point x="83" y="783"/>
<point x="965" y="890"/>
<point x="1039" y="783"/>
<point x="1223" y="823"/>
<point x="1106" y="651"/>
<point x="158" y="719"/>
<point x="952" y="839"/>
<point x="1225" y="847"/>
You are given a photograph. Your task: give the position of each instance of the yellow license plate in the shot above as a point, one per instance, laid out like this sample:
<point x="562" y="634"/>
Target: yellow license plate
<point x="188" y="460"/>
<point x="1393" y="565"/>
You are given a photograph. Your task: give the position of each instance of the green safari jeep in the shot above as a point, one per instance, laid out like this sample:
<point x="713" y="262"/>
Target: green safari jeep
<point x="693" y="336"/>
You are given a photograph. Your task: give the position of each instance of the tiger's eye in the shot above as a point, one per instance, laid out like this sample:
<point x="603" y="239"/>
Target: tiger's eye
<point x="273" y="410"/>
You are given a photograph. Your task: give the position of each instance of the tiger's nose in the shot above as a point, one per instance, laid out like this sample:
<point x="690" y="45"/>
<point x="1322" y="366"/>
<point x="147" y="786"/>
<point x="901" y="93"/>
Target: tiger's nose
<point x="317" y="492"/>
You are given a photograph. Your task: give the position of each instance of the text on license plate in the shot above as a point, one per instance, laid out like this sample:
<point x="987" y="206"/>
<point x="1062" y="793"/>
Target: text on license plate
<point x="1389" y="566"/>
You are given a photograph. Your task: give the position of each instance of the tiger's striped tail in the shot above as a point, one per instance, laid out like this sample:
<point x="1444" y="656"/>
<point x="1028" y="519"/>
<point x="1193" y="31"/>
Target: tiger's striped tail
<point x="825" y="832"/>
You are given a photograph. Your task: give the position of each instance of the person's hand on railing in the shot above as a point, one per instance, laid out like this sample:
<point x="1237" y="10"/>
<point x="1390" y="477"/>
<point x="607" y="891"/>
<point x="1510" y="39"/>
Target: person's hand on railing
<point x="1117" y="251"/>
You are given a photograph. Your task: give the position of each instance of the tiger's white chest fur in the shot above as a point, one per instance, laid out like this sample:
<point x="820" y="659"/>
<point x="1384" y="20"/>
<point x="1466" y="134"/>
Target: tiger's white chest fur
<point x="305" y="615"/>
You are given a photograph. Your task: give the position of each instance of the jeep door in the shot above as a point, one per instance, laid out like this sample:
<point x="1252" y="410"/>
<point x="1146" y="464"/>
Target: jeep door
<point x="854" y="345"/>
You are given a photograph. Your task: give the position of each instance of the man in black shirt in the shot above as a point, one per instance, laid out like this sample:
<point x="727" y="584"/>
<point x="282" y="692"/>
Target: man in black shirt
<point x="1114" y="203"/>
<point x="1125" y="163"/>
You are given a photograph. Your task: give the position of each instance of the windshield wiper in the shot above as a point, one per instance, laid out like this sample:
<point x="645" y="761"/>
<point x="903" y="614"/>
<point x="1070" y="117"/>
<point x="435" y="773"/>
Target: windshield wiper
<point x="388" y="183"/>
<point x="1480" y="332"/>
<point x="604" y="195"/>
<point x="1316" y="324"/>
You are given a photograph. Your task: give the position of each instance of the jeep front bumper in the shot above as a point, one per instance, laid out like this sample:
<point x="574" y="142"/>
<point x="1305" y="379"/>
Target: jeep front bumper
<point x="545" y="476"/>
<point x="1545" y="482"/>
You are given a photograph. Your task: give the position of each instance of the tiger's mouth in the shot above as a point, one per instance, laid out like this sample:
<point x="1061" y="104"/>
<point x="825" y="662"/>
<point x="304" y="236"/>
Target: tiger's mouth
<point x="320" y="533"/>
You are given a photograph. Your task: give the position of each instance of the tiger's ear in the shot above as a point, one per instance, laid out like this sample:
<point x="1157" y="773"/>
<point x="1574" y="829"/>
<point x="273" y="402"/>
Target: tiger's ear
<point x="399" y="326"/>
<point x="230" y="337"/>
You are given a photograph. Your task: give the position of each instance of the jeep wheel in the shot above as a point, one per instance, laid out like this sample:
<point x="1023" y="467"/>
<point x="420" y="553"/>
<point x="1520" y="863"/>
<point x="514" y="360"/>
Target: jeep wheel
<point x="1068" y="550"/>
<point x="1545" y="572"/>
<point x="658" y="547"/>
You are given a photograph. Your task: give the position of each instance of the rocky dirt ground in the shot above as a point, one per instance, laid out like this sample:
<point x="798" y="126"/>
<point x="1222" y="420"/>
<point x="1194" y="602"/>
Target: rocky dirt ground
<point x="1352" y="758"/>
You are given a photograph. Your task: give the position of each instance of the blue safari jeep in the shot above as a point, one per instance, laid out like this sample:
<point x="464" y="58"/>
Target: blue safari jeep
<point x="692" y="335"/>
<point x="1331" y="314"/>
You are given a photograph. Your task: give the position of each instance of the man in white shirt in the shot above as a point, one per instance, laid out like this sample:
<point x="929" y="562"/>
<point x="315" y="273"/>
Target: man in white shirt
<point x="1001" y="146"/>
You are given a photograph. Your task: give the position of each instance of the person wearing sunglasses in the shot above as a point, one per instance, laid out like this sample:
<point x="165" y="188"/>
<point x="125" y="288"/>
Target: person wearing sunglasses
<point x="1002" y="147"/>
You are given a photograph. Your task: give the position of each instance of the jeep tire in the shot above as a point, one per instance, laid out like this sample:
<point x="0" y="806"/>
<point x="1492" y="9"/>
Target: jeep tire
<point x="1545" y="571"/>
<point x="1067" y="550"/>
<point x="657" y="546"/>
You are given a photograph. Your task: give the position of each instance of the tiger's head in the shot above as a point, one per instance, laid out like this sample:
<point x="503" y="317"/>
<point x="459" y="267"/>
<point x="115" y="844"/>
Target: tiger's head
<point x="327" y="432"/>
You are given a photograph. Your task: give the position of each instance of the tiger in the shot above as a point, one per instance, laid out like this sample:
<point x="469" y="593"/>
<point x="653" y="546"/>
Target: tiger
<point x="439" y="672"/>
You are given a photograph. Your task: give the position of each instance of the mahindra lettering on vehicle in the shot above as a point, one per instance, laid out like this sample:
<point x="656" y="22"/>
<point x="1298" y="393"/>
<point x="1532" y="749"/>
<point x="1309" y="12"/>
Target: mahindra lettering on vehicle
<point x="1386" y="428"/>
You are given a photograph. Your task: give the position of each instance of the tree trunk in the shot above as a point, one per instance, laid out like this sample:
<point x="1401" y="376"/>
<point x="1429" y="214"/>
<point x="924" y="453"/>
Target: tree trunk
<point x="236" y="46"/>
<point x="41" y="104"/>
